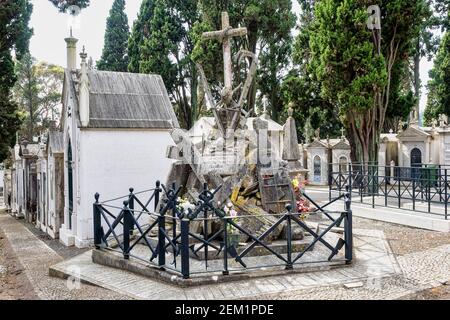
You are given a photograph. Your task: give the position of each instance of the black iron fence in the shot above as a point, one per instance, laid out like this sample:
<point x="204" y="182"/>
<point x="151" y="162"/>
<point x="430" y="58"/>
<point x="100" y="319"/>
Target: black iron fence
<point x="163" y="235"/>
<point x="422" y="188"/>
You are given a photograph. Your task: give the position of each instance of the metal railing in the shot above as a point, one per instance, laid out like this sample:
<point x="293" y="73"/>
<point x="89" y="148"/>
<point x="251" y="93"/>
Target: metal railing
<point x="191" y="253"/>
<point x="423" y="188"/>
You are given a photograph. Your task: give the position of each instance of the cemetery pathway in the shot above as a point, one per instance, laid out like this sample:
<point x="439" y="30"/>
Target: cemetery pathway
<point x="24" y="265"/>
<point x="421" y="263"/>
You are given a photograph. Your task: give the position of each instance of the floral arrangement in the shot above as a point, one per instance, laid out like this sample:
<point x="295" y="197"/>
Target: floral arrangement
<point x="303" y="205"/>
<point x="184" y="205"/>
<point x="233" y="233"/>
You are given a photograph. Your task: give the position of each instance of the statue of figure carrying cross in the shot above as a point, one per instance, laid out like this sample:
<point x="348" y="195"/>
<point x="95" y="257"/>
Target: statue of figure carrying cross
<point x="228" y="112"/>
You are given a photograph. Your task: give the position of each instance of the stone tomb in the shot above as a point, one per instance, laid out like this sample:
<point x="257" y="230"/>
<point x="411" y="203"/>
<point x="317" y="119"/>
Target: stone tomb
<point x="254" y="180"/>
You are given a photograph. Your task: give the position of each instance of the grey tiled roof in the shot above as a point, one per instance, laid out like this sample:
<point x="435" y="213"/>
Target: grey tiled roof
<point x="129" y="100"/>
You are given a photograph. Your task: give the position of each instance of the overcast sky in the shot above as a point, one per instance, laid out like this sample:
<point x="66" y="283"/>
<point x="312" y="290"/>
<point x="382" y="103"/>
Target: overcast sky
<point x="51" y="27"/>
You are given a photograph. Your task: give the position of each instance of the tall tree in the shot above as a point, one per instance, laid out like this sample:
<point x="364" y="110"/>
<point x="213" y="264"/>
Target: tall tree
<point x="63" y="5"/>
<point x="356" y="64"/>
<point x="115" y="56"/>
<point x="269" y="24"/>
<point x="14" y="38"/>
<point x="141" y="31"/>
<point x="26" y="93"/>
<point x="425" y="45"/>
<point x="38" y="94"/>
<point x="301" y="86"/>
<point x="163" y="45"/>
<point x="439" y="85"/>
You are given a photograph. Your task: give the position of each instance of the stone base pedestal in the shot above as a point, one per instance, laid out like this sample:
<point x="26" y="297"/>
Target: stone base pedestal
<point x="66" y="237"/>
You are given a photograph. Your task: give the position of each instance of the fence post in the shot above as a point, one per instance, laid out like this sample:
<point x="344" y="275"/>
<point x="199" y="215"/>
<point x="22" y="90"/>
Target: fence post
<point x="373" y="186"/>
<point x="429" y="189"/>
<point x="361" y="182"/>
<point x="348" y="225"/>
<point x="399" y="180"/>
<point x="386" y="181"/>
<point x="127" y="222"/>
<point x="414" y="193"/>
<point x="161" y="240"/>
<point x="131" y="206"/>
<point x="157" y="192"/>
<point x="330" y="181"/>
<point x="446" y="194"/>
<point x="97" y="223"/>
<point x="225" y="271"/>
<point x="289" y="265"/>
<point x="350" y="177"/>
<point x="184" y="242"/>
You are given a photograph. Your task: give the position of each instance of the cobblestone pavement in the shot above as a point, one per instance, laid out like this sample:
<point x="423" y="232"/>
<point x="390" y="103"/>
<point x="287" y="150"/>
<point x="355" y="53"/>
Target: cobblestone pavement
<point x="417" y="267"/>
<point x="34" y="258"/>
<point x="423" y="255"/>
<point x="375" y="261"/>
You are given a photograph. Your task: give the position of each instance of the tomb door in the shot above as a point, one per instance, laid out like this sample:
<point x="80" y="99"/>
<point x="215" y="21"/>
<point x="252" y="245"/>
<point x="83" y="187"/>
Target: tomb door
<point x="317" y="169"/>
<point x="343" y="165"/>
<point x="70" y="183"/>
<point x="416" y="163"/>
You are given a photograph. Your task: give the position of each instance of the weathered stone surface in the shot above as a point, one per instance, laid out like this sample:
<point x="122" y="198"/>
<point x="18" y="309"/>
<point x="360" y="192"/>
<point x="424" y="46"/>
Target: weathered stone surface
<point x="257" y="221"/>
<point x="297" y="232"/>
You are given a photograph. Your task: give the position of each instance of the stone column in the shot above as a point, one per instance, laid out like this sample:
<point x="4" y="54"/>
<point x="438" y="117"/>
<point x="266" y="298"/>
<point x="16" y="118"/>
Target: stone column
<point x="71" y="53"/>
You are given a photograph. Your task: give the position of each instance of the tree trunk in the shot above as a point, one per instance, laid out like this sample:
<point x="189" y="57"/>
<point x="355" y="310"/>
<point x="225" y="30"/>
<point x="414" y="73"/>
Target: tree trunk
<point x="252" y="43"/>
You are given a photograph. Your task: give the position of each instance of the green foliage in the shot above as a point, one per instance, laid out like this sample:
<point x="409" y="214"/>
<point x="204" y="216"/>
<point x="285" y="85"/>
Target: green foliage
<point x="115" y="56"/>
<point x="162" y="43"/>
<point x="63" y="5"/>
<point x="14" y="37"/>
<point x="141" y="31"/>
<point x="439" y="85"/>
<point x="38" y="94"/>
<point x="302" y="87"/>
<point x="359" y="74"/>
<point x="269" y="24"/>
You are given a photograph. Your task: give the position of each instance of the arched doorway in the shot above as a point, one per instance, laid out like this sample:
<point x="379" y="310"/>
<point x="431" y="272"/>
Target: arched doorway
<point x="416" y="163"/>
<point x="70" y="182"/>
<point x="343" y="165"/>
<point x="317" y="169"/>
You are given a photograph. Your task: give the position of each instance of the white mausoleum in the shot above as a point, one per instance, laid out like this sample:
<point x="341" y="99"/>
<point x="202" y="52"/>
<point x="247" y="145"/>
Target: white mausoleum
<point x="115" y="136"/>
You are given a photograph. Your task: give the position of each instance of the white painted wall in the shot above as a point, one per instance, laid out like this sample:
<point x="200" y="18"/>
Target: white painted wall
<point x="112" y="161"/>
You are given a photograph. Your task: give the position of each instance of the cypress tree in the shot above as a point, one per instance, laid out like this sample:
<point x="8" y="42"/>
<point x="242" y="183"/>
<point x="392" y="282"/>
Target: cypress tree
<point x="15" y="35"/>
<point x="115" y="57"/>
<point x="141" y="31"/>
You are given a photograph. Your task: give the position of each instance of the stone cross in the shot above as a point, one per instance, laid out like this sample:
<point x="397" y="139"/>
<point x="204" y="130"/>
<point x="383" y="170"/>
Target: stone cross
<point x="342" y="133"/>
<point x="225" y="35"/>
